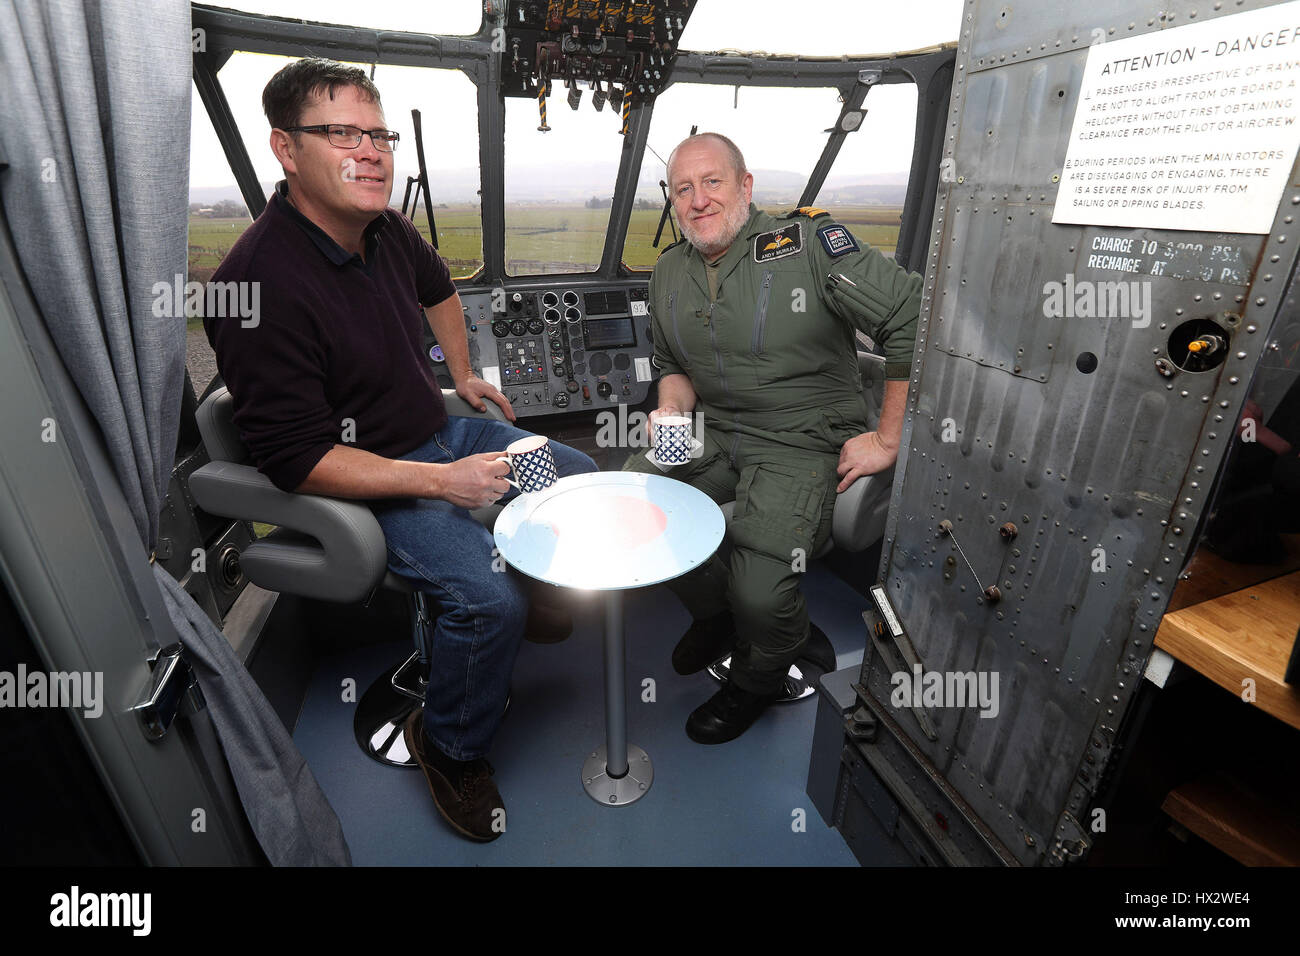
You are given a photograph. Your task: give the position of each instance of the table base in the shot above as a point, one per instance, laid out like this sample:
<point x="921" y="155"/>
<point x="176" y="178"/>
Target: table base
<point x="619" y="792"/>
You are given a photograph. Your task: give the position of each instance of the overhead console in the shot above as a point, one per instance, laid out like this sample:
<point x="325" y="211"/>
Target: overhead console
<point x="622" y="49"/>
<point x="556" y="346"/>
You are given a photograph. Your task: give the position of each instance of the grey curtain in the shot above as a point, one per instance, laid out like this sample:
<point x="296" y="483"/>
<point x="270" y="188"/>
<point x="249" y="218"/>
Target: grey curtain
<point x="95" y="102"/>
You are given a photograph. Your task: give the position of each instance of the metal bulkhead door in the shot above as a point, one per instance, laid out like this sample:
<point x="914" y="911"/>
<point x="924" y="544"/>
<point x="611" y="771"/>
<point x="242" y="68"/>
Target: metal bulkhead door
<point x="1063" y="434"/>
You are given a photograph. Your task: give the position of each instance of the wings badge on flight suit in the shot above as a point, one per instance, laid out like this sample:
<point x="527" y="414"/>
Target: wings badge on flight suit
<point x="779" y="243"/>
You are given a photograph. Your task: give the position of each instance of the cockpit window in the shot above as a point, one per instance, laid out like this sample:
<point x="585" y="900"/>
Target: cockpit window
<point x="865" y="188"/>
<point x="559" y="185"/>
<point x="218" y="216"/>
<point x="457" y="17"/>
<point x="781" y="133"/>
<point x="449" y="116"/>
<point x="822" y="27"/>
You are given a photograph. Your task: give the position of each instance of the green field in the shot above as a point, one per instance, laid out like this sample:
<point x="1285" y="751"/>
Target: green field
<point x="540" y="239"/>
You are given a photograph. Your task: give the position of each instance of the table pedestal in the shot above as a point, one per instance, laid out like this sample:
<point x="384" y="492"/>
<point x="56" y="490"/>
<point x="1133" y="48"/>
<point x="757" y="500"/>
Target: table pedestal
<point x="618" y="773"/>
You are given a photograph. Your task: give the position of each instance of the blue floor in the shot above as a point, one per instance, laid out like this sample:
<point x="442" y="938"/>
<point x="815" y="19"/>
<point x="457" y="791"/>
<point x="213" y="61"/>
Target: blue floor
<point x="732" y="805"/>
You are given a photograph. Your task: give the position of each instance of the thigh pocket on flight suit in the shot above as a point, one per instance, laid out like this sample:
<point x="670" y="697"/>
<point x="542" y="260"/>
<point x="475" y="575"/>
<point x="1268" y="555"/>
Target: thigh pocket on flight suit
<point x="781" y="508"/>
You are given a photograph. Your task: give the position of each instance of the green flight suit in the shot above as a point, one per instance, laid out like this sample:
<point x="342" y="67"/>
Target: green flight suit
<point x="773" y="362"/>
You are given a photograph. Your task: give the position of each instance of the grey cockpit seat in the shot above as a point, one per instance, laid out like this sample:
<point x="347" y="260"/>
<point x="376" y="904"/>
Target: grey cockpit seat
<point x="323" y="548"/>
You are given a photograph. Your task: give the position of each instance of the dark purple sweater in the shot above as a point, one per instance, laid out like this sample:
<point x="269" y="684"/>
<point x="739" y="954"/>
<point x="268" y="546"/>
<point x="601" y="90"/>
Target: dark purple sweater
<point x="336" y="340"/>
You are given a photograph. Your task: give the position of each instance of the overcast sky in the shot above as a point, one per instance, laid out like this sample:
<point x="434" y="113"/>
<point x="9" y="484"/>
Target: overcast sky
<point x="777" y="129"/>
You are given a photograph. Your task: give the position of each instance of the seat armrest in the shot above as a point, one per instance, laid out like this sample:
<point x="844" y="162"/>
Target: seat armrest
<point x="352" y="556"/>
<point x="860" y="511"/>
<point x="458" y="406"/>
<point x="872" y="369"/>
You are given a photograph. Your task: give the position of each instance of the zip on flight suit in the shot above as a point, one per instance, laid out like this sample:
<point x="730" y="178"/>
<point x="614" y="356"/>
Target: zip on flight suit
<point x="772" y="357"/>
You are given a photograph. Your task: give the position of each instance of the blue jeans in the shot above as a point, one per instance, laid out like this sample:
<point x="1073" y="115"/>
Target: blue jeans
<point x="481" y="609"/>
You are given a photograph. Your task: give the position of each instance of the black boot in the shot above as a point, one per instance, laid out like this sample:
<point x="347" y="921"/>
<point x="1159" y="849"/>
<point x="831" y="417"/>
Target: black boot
<point x="727" y="714"/>
<point x="704" y="642"/>
<point x="818" y="651"/>
<point x="547" y="623"/>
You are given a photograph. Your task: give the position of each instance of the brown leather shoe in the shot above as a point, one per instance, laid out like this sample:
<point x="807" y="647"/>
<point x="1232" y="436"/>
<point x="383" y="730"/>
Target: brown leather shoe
<point x="463" y="791"/>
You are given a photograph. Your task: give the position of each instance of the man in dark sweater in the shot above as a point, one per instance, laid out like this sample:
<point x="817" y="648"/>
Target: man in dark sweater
<point x="333" y="396"/>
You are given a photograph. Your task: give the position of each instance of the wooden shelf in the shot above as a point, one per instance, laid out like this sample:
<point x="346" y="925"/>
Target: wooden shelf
<point x="1209" y="575"/>
<point x="1252" y="828"/>
<point x="1248" y="633"/>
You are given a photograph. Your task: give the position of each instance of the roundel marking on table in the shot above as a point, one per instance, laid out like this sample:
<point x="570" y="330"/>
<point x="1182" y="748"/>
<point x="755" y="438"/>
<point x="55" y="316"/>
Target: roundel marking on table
<point x="623" y="521"/>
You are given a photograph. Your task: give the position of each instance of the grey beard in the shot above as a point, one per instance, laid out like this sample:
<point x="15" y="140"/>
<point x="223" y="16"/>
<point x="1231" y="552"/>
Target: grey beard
<point x="732" y="223"/>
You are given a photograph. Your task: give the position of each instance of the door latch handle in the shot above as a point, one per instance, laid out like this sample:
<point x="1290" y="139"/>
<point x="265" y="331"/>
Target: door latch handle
<point x="172" y="685"/>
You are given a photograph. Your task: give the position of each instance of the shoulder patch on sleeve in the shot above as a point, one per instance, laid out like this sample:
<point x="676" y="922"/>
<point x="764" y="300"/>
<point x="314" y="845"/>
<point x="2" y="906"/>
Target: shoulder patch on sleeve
<point x="837" y="240"/>
<point x="779" y="243"/>
<point x="812" y="212"/>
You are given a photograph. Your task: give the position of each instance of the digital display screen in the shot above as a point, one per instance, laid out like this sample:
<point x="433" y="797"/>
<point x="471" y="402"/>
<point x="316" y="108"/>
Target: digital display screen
<point x="613" y="302"/>
<point x="608" y="333"/>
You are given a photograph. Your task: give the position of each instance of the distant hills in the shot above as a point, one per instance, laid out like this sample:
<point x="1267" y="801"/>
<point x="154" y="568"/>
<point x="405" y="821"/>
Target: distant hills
<point x="579" y="182"/>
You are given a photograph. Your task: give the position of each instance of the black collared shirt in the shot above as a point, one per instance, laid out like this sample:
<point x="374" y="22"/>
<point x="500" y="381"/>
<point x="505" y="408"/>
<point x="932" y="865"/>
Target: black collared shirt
<point x="335" y="352"/>
<point x="371" y="235"/>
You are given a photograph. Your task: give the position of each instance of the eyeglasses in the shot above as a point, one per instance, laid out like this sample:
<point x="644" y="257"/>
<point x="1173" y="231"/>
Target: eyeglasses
<point x="349" y="137"/>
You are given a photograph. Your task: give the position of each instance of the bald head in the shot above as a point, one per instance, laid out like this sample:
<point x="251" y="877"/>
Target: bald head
<point x="717" y="141"/>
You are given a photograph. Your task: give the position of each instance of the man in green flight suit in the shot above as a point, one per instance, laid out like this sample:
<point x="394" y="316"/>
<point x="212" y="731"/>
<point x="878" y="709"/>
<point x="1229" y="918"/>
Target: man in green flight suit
<point x="754" y="321"/>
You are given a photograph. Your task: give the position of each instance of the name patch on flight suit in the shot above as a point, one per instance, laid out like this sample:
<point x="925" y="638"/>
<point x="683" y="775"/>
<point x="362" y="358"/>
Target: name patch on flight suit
<point x="779" y="243"/>
<point x="837" y="240"/>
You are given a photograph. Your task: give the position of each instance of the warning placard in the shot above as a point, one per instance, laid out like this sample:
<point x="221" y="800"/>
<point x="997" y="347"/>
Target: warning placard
<point x="1189" y="128"/>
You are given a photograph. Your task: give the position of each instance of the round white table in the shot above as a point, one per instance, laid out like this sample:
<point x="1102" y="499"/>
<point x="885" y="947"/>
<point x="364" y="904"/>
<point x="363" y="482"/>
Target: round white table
<point x="610" y="531"/>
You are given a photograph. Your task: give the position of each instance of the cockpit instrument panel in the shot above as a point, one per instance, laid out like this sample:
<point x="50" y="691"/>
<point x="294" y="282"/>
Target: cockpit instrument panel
<point x="559" y="345"/>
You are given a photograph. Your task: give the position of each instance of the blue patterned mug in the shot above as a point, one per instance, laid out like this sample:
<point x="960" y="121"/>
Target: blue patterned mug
<point x="532" y="464"/>
<point x="672" y="439"/>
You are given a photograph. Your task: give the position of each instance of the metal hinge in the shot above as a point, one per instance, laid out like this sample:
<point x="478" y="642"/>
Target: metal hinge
<point x="1071" y="841"/>
<point x="172" y="685"/>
